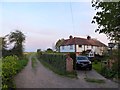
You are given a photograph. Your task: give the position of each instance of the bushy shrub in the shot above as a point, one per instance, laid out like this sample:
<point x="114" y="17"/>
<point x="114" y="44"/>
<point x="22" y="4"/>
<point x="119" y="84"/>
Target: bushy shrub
<point x="0" y="73"/>
<point x="108" y="73"/>
<point x="8" y="70"/>
<point x="113" y="72"/>
<point x="11" y="65"/>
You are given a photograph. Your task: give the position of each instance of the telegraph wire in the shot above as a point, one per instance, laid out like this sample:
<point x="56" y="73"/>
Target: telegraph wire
<point x="72" y="18"/>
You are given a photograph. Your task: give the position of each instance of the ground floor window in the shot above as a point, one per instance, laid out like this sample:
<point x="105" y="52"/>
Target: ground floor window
<point x="62" y="47"/>
<point x="71" y="46"/>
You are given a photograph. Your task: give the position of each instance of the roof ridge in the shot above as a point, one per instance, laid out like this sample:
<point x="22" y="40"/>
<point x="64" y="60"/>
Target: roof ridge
<point x="79" y="38"/>
<point x="83" y="41"/>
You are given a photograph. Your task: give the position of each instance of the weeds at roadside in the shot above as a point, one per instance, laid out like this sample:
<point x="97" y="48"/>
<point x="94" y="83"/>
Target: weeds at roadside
<point x="34" y="62"/>
<point x="94" y="80"/>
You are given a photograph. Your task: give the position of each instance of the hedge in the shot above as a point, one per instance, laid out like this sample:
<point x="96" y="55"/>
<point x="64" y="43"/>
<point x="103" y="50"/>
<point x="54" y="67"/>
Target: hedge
<point x="11" y="65"/>
<point x="57" y="61"/>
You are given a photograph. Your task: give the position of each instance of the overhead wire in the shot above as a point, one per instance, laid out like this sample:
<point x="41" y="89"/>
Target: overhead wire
<point x="73" y="27"/>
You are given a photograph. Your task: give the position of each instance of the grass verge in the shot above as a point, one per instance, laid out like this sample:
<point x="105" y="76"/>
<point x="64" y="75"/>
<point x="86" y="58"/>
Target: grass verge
<point x="94" y="80"/>
<point x="33" y="62"/>
<point x="97" y="66"/>
<point x="59" y="72"/>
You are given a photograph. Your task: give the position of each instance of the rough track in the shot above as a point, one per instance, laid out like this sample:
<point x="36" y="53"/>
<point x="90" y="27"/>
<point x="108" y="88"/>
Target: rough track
<point x="41" y="77"/>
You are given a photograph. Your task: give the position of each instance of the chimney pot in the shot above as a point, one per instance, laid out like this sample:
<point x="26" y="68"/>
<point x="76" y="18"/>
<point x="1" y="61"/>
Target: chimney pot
<point x="70" y="36"/>
<point x="88" y="37"/>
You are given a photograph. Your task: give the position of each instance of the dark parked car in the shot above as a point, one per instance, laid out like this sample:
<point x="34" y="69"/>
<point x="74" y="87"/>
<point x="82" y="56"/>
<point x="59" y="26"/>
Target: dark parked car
<point x="83" y="62"/>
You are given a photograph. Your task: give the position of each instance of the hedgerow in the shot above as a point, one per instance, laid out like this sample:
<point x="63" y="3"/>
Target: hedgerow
<point x="56" y="62"/>
<point x="11" y="65"/>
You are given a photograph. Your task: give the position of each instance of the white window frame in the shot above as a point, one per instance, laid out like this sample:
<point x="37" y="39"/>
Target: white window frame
<point x="63" y="47"/>
<point x="71" y="47"/>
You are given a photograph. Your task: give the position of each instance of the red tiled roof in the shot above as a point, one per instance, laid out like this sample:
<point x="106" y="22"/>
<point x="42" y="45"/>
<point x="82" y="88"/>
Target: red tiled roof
<point x="82" y="41"/>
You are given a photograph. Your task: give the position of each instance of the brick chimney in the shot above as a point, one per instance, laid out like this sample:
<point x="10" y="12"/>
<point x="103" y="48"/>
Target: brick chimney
<point x="88" y="37"/>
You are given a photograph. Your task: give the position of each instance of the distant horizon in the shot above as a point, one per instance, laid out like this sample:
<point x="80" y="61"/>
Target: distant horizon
<point x="43" y="23"/>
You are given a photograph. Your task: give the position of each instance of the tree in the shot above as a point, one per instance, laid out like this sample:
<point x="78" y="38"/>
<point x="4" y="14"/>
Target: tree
<point x="107" y="18"/>
<point x="3" y="44"/>
<point x="0" y="47"/>
<point x="108" y="21"/>
<point x="49" y="50"/>
<point x="58" y="44"/>
<point x="0" y="43"/>
<point x="17" y="38"/>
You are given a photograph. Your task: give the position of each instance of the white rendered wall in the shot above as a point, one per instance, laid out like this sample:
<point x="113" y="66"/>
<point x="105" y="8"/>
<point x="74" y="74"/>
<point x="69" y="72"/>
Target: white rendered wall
<point x="79" y="49"/>
<point x="96" y="49"/>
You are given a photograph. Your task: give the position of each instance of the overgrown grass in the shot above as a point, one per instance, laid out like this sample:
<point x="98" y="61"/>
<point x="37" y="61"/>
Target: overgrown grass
<point x="62" y="73"/>
<point x="21" y="64"/>
<point x="94" y="80"/>
<point x="34" y="62"/>
<point x="97" y="66"/>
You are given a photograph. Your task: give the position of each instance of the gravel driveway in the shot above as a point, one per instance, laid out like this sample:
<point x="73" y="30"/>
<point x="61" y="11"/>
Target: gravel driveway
<point x="41" y="77"/>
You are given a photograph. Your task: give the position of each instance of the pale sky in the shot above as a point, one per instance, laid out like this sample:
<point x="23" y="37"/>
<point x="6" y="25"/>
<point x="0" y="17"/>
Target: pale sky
<point x="44" y="23"/>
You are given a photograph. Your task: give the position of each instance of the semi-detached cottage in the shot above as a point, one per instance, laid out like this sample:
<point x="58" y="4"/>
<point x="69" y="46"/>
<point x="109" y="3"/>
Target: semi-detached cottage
<point x="79" y="45"/>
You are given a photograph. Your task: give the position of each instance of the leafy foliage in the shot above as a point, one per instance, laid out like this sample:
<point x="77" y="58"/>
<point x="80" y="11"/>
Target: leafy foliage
<point x="4" y="46"/>
<point x="107" y="18"/>
<point x="57" y="61"/>
<point x="58" y="43"/>
<point x="16" y="38"/>
<point x="49" y="50"/>
<point x="11" y="65"/>
<point x="108" y="21"/>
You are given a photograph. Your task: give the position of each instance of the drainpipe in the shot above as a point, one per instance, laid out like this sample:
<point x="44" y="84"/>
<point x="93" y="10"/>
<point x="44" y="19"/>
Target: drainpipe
<point x="75" y="48"/>
<point x="75" y="45"/>
<point x="84" y="47"/>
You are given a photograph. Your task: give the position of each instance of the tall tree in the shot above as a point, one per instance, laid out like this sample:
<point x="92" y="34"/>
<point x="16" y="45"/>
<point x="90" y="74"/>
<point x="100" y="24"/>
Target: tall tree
<point x="18" y="39"/>
<point x="107" y="18"/>
<point x="3" y="44"/>
<point x="0" y="43"/>
<point x="58" y="43"/>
